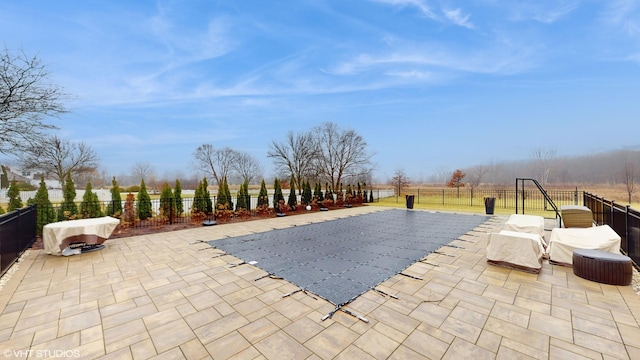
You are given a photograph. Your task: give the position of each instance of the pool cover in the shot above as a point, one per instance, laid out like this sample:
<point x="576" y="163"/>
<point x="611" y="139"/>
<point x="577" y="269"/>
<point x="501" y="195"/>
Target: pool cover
<point x="341" y="259"/>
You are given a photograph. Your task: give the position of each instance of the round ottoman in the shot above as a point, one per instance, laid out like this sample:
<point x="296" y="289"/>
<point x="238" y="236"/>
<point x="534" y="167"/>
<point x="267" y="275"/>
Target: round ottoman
<point x="603" y="267"/>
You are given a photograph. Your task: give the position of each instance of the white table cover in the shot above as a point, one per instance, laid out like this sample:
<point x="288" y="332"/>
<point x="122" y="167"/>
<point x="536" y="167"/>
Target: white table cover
<point x="517" y="248"/>
<point x="532" y="224"/>
<point x="564" y="240"/>
<point x="54" y="234"/>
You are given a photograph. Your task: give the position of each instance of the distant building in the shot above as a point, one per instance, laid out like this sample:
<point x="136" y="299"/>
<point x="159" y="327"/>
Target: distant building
<point x="27" y="176"/>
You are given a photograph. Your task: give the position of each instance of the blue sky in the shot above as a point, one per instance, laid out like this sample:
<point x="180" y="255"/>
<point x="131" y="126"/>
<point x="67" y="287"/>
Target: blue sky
<point x="431" y="85"/>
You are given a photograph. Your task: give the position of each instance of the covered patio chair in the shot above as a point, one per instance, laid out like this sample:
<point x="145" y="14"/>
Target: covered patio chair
<point x="532" y="224"/>
<point x="575" y="216"/>
<point x="564" y="240"/>
<point x="515" y="250"/>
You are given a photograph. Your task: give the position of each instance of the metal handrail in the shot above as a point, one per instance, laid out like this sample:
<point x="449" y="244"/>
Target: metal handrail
<point x="544" y="193"/>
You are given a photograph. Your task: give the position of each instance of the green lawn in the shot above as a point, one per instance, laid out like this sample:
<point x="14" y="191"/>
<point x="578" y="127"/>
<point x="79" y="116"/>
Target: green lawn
<point x="400" y="203"/>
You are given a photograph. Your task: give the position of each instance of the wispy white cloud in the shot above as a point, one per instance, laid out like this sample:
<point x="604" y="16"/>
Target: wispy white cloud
<point x="418" y="4"/>
<point x="635" y="57"/>
<point x="457" y="17"/>
<point x="447" y="15"/>
<point x="151" y="56"/>
<point x="624" y="15"/>
<point x="620" y="30"/>
<point x="413" y="75"/>
<point x="193" y="44"/>
<point x="496" y="60"/>
<point x="542" y="11"/>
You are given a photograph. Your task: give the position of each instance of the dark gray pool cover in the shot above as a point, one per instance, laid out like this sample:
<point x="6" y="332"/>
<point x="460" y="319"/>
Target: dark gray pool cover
<point x="340" y="259"/>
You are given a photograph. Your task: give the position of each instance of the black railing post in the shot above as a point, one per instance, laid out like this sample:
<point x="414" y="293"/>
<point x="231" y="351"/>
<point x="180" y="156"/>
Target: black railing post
<point x="524" y="196"/>
<point x="626" y="227"/>
<point x="612" y="213"/>
<point x="504" y="197"/>
<point x="516" y="196"/>
<point x="172" y="205"/>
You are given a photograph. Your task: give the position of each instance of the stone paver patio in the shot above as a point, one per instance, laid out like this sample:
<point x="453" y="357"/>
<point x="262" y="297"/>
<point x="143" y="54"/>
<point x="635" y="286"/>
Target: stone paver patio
<point x="168" y="296"/>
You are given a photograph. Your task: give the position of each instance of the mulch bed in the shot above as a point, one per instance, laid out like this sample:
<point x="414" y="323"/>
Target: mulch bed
<point x="121" y="232"/>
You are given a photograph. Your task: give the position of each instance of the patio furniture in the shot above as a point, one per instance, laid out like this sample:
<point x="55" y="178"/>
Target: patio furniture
<point x="564" y="241"/>
<point x="531" y="224"/>
<point x="576" y="216"/>
<point x="602" y="267"/>
<point x="69" y="237"/>
<point x="516" y="250"/>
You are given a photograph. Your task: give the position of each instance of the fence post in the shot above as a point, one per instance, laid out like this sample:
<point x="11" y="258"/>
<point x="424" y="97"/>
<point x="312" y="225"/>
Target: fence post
<point x="172" y="208"/>
<point x="626" y="228"/>
<point x="612" y="211"/>
<point x="504" y="197"/>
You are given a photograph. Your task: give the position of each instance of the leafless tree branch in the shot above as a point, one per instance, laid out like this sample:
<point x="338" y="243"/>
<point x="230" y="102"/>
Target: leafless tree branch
<point x="215" y="162"/>
<point x="247" y="167"/>
<point x="56" y="156"/>
<point x="296" y="156"/>
<point x="26" y="98"/>
<point x="340" y="153"/>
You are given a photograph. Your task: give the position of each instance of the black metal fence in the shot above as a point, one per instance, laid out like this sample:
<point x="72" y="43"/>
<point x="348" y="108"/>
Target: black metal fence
<point x="623" y="220"/>
<point x="505" y="198"/>
<point x="165" y="212"/>
<point x="18" y="228"/>
<point x="17" y="233"/>
<point x="161" y="212"/>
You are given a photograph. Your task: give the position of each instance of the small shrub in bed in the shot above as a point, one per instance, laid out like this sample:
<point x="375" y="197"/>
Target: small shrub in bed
<point x="293" y="200"/>
<point x="14" y="196"/>
<point x="144" y="202"/>
<point x="115" y="205"/>
<point x="177" y="195"/>
<point x="68" y="208"/>
<point x="167" y="203"/>
<point x="90" y="205"/>
<point x="45" y="213"/>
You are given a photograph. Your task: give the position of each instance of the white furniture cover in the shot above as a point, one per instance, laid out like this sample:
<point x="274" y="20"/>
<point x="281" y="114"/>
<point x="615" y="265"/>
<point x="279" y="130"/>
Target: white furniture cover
<point x="57" y="236"/>
<point x="523" y="250"/>
<point x="564" y="240"/>
<point x="532" y="224"/>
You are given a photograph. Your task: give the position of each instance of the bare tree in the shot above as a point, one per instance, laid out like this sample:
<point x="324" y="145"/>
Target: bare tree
<point x="475" y="175"/>
<point x="94" y="177"/>
<point x="204" y="157"/>
<point x="543" y="160"/>
<point x="215" y="162"/>
<point x="26" y="98"/>
<point x="247" y="167"/>
<point x="340" y="153"/>
<point x="629" y="174"/>
<point x="494" y="172"/>
<point x="142" y="170"/>
<point x="59" y="157"/>
<point x="294" y="156"/>
<point x="440" y="176"/>
<point x="400" y="181"/>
